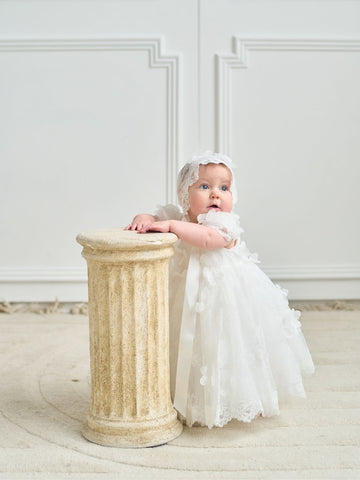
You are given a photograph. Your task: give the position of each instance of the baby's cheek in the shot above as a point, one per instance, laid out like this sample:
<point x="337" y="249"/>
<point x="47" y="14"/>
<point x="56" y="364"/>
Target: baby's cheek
<point x="196" y="201"/>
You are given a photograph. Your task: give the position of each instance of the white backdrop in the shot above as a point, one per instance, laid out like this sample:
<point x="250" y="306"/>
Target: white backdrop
<point x="103" y="101"/>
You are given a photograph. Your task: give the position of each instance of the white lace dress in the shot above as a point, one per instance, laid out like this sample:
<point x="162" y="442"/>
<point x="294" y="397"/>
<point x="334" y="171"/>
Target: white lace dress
<point x="236" y="348"/>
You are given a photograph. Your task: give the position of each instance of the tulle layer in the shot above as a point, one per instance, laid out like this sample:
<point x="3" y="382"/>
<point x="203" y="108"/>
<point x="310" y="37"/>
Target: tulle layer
<point x="248" y="350"/>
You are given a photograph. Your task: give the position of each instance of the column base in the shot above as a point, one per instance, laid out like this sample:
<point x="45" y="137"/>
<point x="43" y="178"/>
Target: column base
<point x="137" y="434"/>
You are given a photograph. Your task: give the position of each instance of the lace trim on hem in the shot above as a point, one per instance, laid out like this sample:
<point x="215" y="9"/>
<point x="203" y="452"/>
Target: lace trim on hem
<point x="242" y="413"/>
<point x="226" y="420"/>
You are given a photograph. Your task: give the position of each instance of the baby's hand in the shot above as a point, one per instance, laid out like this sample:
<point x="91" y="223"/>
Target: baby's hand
<point x="140" y="221"/>
<point x="162" y="227"/>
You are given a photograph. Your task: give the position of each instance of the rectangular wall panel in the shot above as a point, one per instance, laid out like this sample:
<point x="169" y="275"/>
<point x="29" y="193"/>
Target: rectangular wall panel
<point x="286" y="109"/>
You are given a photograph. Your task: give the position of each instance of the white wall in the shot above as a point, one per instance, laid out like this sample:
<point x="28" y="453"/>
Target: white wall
<point x="102" y="101"/>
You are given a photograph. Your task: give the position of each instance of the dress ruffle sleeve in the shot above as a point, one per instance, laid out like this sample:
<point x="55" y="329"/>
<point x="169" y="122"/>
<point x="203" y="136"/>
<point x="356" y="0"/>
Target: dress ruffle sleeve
<point x="228" y="224"/>
<point x="168" y="212"/>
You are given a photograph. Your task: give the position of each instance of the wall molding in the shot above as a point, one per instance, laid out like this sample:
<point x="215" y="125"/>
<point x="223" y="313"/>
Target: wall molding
<point x="313" y="272"/>
<point x="42" y="274"/>
<point x="69" y="284"/>
<point x="157" y="59"/>
<point x="284" y="272"/>
<point x="240" y="58"/>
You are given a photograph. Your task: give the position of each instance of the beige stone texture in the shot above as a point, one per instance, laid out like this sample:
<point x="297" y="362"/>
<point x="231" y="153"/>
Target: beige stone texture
<point x="129" y="338"/>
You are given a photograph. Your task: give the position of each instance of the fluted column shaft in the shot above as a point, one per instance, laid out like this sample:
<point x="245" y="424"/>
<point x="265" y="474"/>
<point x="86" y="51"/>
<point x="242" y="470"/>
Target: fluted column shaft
<point x="129" y="338"/>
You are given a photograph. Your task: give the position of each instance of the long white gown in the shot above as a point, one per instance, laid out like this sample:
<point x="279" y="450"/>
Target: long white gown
<point x="236" y="348"/>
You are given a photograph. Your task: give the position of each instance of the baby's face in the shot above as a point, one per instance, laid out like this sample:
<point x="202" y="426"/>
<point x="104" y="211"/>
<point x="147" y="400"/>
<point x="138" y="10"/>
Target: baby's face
<point x="211" y="191"/>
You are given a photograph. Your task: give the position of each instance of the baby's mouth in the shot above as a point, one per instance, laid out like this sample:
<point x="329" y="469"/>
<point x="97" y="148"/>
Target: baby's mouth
<point x="214" y="206"/>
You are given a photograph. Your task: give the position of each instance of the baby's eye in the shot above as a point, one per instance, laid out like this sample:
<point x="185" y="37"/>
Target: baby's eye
<point x="204" y="186"/>
<point x="224" y="188"/>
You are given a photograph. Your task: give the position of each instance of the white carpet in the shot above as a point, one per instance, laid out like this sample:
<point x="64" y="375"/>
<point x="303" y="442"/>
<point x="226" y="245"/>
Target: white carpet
<point x="44" y="396"/>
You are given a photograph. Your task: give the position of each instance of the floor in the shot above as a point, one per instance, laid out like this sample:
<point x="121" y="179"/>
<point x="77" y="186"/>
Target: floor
<point x="44" y="397"/>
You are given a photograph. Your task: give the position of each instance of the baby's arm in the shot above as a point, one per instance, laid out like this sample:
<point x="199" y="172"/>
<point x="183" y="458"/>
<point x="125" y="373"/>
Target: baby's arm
<point x="141" y="221"/>
<point x="196" y="235"/>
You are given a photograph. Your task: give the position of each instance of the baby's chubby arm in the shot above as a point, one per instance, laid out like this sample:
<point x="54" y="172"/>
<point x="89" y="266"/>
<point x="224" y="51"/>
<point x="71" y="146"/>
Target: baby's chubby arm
<point x="196" y="235"/>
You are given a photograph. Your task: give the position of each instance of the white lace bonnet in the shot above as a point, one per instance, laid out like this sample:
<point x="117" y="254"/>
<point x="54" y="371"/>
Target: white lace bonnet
<point x="189" y="174"/>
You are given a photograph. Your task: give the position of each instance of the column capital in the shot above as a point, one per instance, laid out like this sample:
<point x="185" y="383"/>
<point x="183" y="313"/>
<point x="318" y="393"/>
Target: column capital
<point x="119" y="245"/>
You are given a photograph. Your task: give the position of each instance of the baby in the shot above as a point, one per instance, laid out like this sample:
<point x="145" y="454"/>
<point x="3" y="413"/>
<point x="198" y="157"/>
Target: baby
<point x="236" y="347"/>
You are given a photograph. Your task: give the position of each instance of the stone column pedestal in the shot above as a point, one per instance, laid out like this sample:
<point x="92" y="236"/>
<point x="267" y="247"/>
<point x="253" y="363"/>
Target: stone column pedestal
<point x="129" y="338"/>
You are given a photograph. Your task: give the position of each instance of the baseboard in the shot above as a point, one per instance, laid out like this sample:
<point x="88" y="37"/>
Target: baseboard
<point x="43" y="284"/>
<point x="69" y="284"/>
<point x="317" y="282"/>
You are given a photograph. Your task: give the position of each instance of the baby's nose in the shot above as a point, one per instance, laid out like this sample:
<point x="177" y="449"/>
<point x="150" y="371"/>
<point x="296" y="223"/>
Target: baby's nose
<point x="214" y="193"/>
